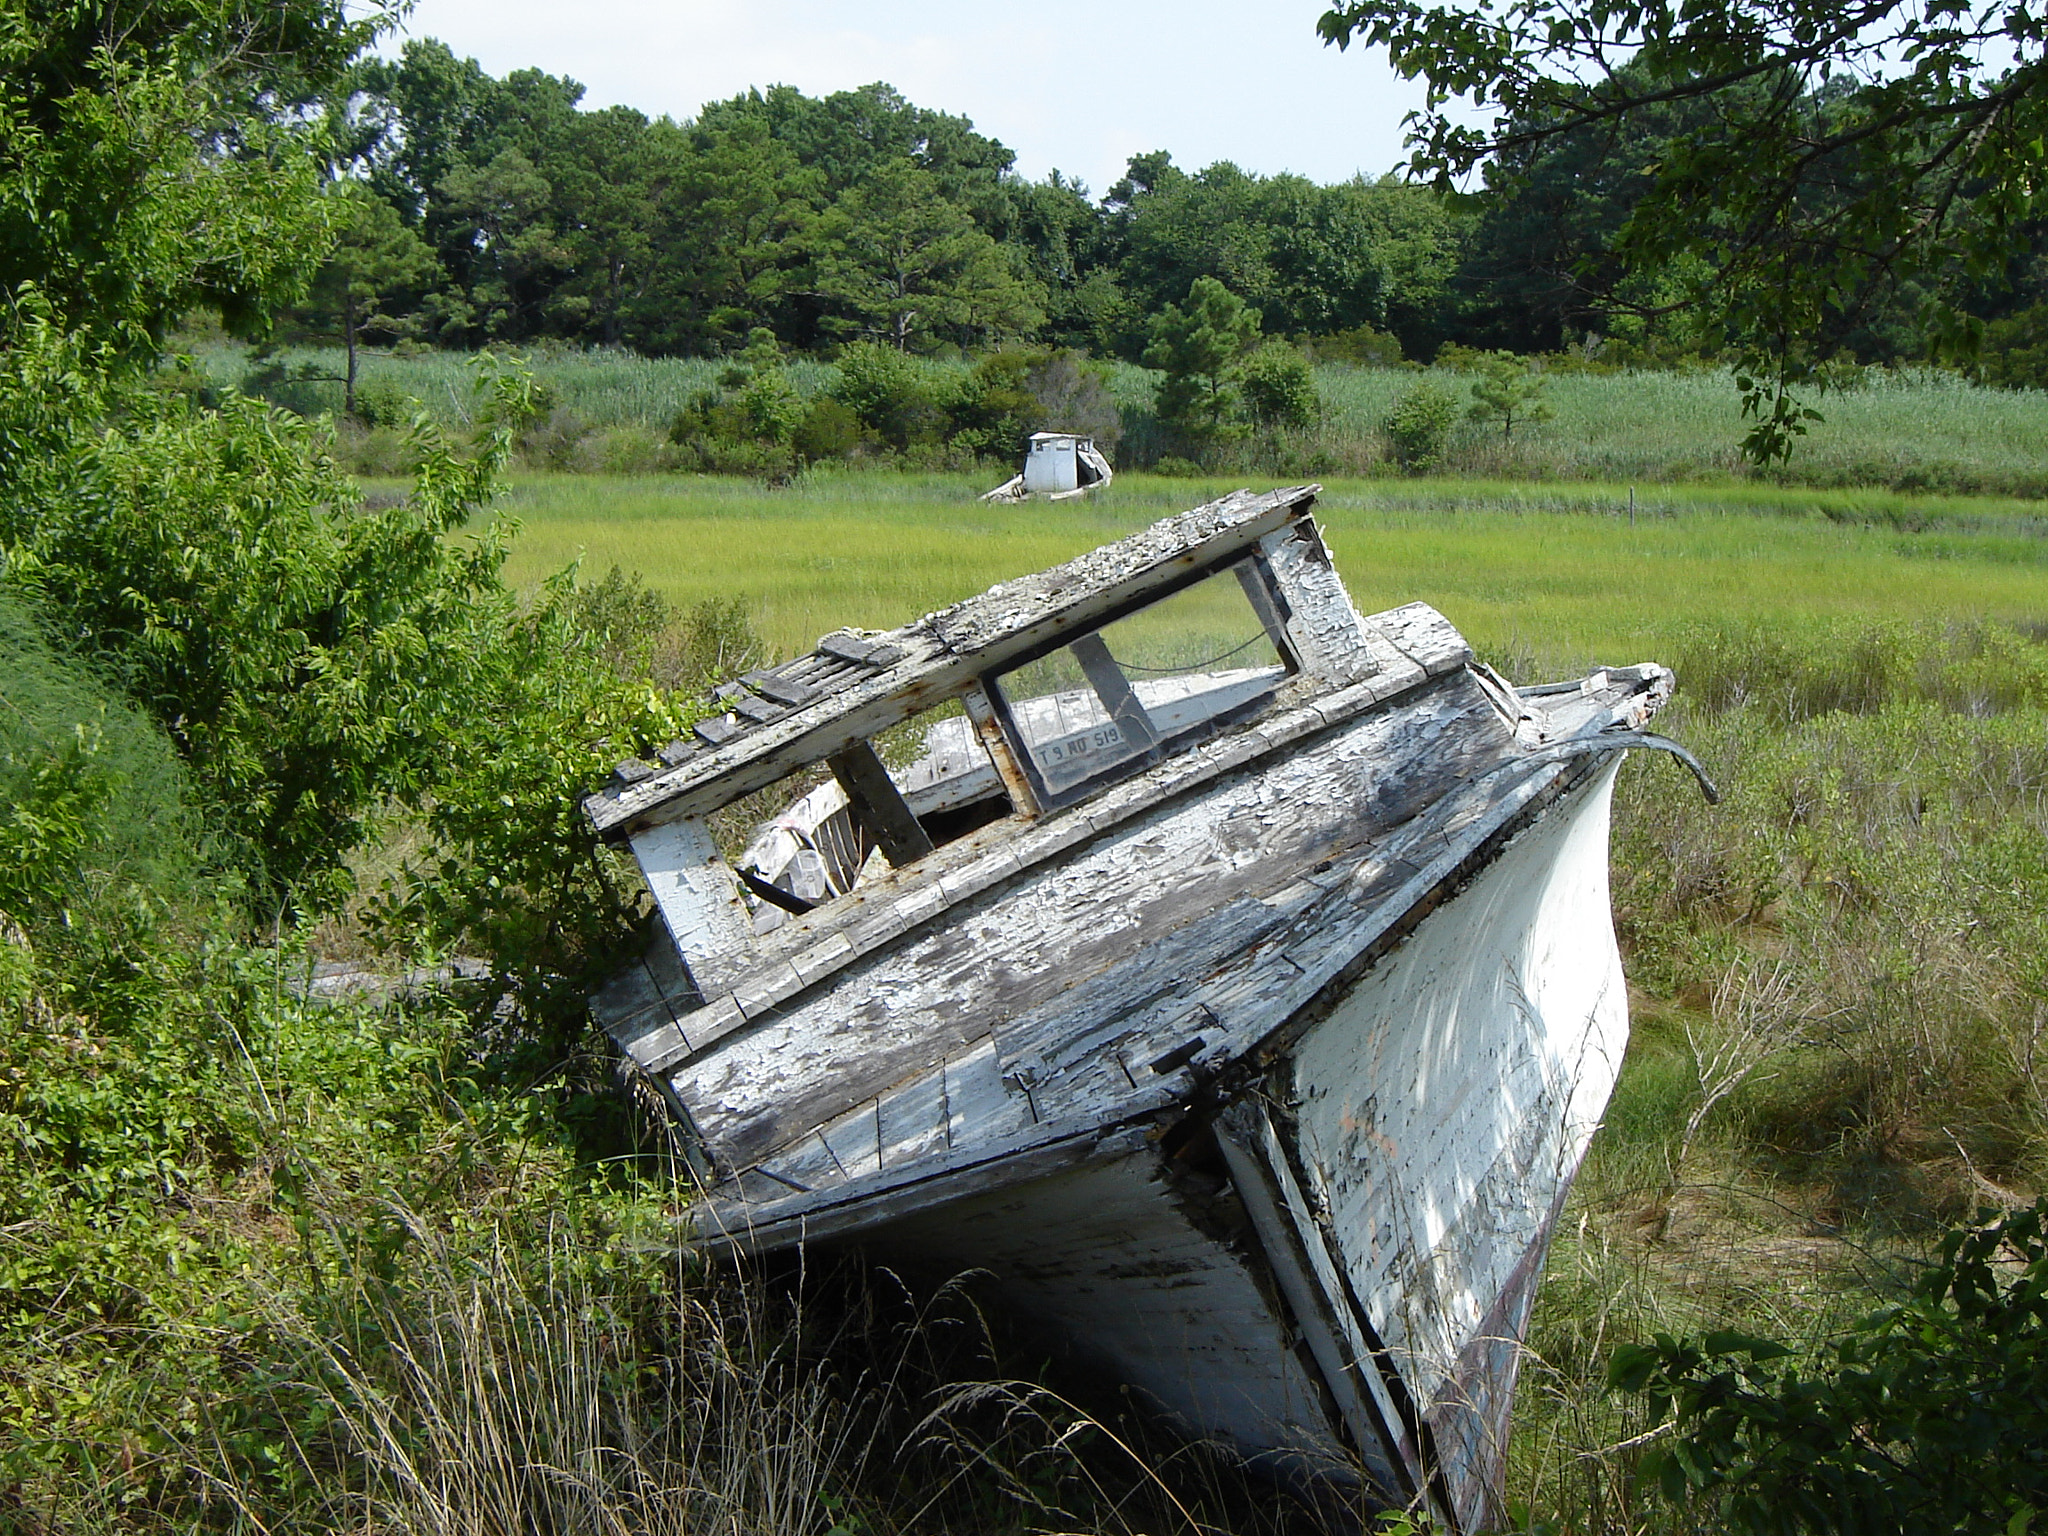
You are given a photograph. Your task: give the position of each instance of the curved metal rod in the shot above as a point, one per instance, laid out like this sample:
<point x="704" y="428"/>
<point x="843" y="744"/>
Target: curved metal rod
<point x="1624" y="741"/>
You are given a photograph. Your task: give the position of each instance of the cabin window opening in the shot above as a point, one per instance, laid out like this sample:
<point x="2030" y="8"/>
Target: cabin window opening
<point x="878" y="804"/>
<point x="1151" y="682"/>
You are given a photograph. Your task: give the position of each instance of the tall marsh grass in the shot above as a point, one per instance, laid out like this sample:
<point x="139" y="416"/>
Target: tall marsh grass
<point x="1909" y="431"/>
<point x="1839" y="1040"/>
<point x="513" y="1381"/>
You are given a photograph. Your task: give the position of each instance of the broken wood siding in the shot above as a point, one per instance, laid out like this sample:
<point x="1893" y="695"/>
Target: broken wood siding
<point x="759" y="978"/>
<point x="1041" y="960"/>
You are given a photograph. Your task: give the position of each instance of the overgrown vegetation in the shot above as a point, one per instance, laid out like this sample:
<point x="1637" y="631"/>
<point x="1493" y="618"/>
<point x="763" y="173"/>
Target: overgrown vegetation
<point x="1287" y="416"/>
<point x="1836" y="1057"/>
<point x="306" y="1246"/>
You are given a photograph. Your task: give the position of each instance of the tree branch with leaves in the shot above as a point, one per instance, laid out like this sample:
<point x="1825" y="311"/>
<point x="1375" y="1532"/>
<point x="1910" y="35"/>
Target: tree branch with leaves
<point x="1825" y="160"/>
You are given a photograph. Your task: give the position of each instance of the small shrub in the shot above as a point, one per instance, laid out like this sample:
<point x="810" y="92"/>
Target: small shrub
<point x="1418" y="428"/>
<point x="698" y="417"/>
<point x="1508" y="391"/>
<point x="1279" y="390"/>
<point x="888" y="392"/>
<point x="376" y="453"/>
<point x="829" y="430"/>
<point x="381" y="403"/>
<point x="1362" y="347"/>
<point x="556" y="439"/>
<point x="626" y="451"/>
<point x="769" y="407"/>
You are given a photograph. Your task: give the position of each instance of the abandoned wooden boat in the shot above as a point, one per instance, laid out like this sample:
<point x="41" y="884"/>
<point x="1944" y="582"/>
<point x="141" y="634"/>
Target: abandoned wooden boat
<point x="1227" y="973"/>
<point x="1057" y="466"/>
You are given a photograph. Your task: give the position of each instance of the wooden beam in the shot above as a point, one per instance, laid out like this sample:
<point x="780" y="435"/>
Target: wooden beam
<point x="1114" y="689"/>
<point x="878" y="804"/>
<point x="1023" y="798"/>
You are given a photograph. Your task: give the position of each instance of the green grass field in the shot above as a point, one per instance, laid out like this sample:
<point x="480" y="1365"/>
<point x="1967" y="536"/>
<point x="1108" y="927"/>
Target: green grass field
<point x="1553" y="571"/>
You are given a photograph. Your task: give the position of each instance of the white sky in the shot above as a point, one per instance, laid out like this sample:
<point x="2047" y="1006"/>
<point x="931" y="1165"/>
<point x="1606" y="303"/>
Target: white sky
<point x="1065" y="83"/>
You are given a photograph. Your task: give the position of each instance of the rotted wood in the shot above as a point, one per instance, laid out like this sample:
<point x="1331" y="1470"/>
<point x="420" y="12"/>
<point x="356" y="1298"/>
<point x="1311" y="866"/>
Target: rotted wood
<point x="1323" y="924"/>
<point x="794" y="956"/>
<point x="1001" y="752"/>
<point x="1108" y="911"/>
<point x="878" y="805"/>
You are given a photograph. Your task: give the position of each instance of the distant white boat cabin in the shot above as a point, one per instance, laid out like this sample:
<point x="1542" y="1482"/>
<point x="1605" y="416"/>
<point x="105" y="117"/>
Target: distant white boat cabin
<point x="1056" y="465"/>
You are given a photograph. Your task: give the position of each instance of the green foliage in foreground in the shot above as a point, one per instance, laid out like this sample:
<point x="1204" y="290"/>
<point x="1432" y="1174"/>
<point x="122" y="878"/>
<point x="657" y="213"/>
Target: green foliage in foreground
<point x="1928" y="1415"/>
<point x="224" y="1200"/>
<point x="306" y="652"/>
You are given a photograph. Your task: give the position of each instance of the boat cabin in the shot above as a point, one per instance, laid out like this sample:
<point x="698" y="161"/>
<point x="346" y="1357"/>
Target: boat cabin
<point x="1009" y="708"/>
<point x="1057" y="465"/>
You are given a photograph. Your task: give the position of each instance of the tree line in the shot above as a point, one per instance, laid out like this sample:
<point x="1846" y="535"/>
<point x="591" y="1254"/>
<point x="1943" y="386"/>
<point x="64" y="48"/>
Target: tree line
<point x="477" y="210"/>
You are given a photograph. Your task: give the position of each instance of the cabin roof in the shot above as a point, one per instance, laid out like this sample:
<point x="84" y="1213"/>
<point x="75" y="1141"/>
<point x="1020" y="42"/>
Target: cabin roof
<point x="859" y="682"/>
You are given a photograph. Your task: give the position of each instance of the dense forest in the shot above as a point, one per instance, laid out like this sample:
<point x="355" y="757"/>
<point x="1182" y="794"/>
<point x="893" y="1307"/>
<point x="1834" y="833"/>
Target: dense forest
<point x="481" y="210"/>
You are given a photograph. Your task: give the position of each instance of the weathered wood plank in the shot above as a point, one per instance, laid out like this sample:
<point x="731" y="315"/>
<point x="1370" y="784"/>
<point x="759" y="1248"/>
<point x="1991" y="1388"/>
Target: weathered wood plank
<point x="879" y="805"/>
<point x="856" y="1142"/>
<point x="1109" y="911"/>
<point x="1313" y="1311"/>
<point x="770" y="684"/>
<point x="898" y="904"/>
<point x="1323" y="630"/>
<point x="698" y="900"/>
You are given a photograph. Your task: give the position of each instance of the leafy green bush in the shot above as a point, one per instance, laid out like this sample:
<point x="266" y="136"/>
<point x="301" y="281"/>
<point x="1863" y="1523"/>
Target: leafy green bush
<point x="890" y="393"/>
<point x="1279" y="389"/>
<point x="1418" y="428"/>
<point x="308" y="653"/>
<point x="769" y="407"/>
<point x="996" y="410"/>
<point x="829" y="430"/>
<point x="510" y="871"/>
<point x="1929" y="1415"/>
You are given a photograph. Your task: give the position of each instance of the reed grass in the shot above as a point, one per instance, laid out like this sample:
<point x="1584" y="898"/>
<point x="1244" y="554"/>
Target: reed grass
<point x="1911" y="430"/>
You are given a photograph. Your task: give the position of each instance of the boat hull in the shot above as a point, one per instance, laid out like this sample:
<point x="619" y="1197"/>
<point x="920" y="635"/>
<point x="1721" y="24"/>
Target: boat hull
<point x="1326" y="1265"/>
